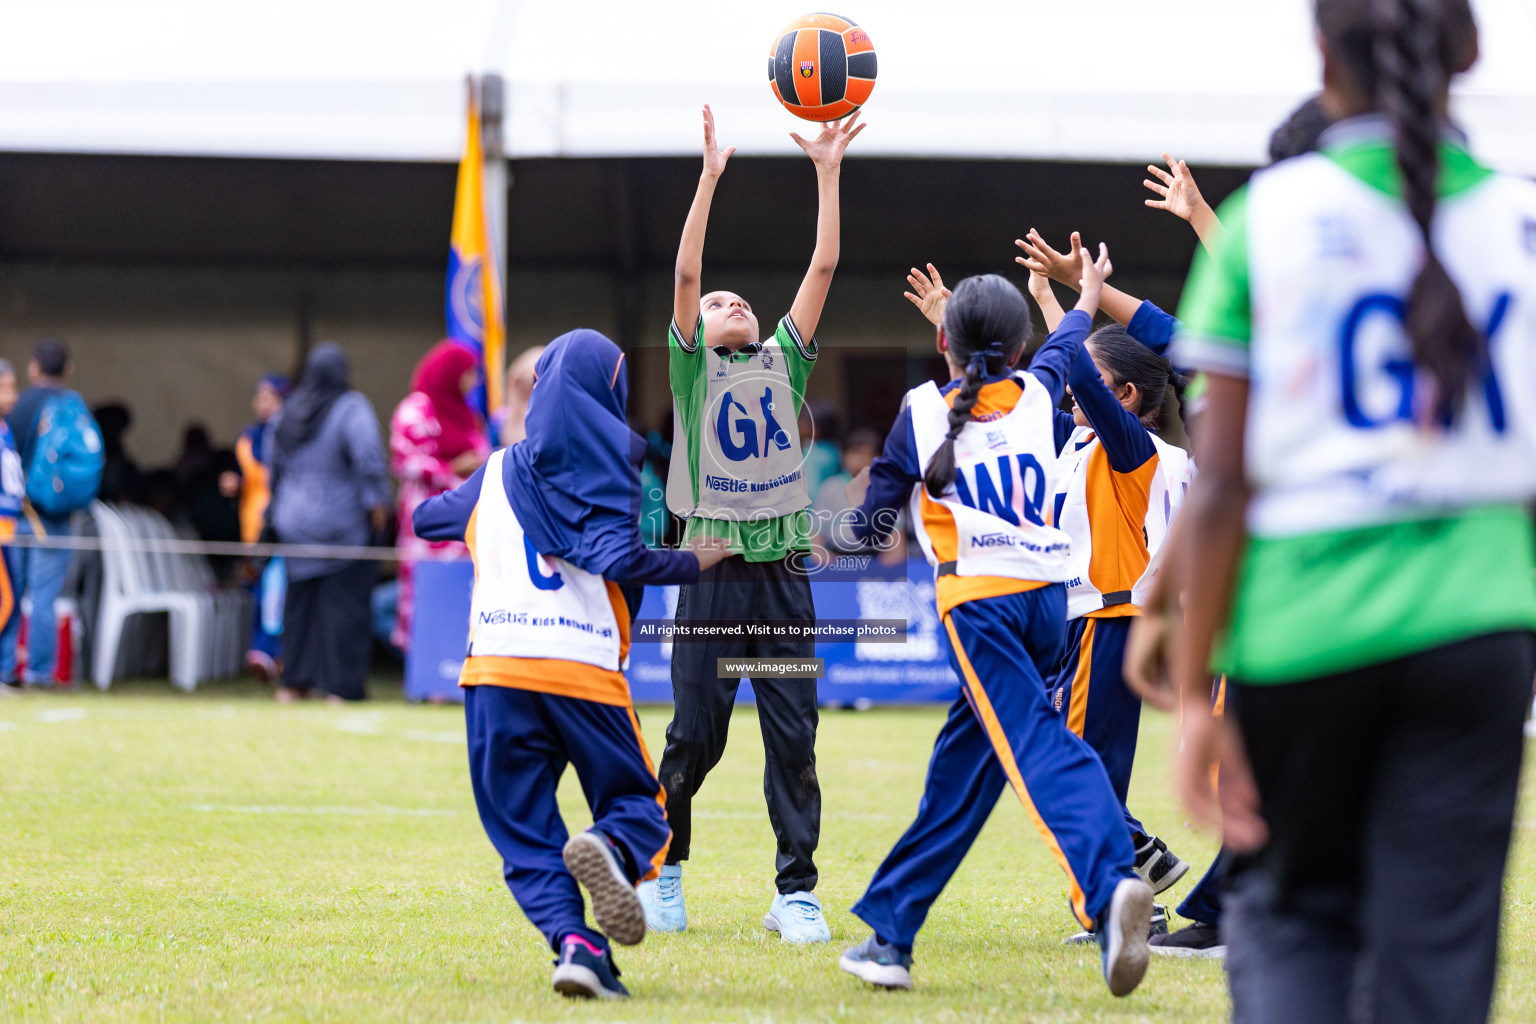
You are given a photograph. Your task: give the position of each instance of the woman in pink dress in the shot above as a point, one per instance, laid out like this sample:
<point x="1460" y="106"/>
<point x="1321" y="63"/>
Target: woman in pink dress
<point x="436" y="441"/>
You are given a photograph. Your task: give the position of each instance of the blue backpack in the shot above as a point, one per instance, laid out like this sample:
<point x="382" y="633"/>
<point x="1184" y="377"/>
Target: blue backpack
<point x="64" y="472"/>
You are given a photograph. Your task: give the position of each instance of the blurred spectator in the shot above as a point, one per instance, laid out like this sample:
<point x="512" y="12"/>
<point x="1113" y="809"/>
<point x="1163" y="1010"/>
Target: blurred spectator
<point x="330" y="485"/>
<point x="12" y="490"/>
<point x="820" y="432"/>
<point x="121" y="478"/>
<point x="207" y="489"/>
<point x="436" y="442"/>
<point x="508" y="420"/>
<point x="253" y="484"/>
<point x="831" y="500"/>
<point x="659" y="526"/>
<point x="40" y="572"/>
<point x="157" y="489"/>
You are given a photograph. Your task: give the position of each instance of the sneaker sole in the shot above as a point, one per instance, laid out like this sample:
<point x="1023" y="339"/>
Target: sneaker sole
<point x="576" y="982"/>
<point x="615" y="904"/>
<point x="880" y="975"/>
<point x="1190" y="953"/>
<point x="1129" y="911"/>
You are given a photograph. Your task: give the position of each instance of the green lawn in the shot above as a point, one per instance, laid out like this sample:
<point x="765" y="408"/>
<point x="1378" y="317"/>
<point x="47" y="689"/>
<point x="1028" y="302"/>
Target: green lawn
<point x="217" y="857"/>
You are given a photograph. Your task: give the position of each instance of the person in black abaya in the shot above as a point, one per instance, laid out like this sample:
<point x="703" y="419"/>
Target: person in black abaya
<point x="330" y="486"/>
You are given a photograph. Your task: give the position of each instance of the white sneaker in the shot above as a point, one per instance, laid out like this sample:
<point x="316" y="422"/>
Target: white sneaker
<point x="662" y="899"/>
<point x="796" y="916"/>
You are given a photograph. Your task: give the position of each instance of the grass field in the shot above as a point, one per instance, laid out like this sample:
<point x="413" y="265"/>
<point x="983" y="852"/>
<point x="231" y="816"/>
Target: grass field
<point x="217" y="857"/>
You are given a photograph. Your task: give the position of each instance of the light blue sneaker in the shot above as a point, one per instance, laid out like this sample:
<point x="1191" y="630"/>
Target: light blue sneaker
<point x="796" y="916"/>
<point x="662" y="899"/>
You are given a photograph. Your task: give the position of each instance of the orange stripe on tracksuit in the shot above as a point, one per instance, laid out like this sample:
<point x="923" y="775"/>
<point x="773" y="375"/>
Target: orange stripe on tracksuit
<point x="1003" y="731"/>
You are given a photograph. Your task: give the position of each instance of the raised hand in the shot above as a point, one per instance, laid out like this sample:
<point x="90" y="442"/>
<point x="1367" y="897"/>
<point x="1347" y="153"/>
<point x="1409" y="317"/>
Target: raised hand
<point x="714" y="157"/>
<point x="1040" y="258"/>
<point x="1045" y="298"/>
<point x="1094" y="271"/>
<point x="826" y="149"/>
<point x="1091" y="285"/>
<point x="928" y="293"/>
<point x="1180" y="196"/>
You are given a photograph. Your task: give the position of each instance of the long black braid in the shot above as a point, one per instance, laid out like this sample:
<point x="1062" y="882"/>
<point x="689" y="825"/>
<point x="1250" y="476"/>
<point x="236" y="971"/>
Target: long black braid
<point x="986" y="323"/>
<point x="1403" y="53"/>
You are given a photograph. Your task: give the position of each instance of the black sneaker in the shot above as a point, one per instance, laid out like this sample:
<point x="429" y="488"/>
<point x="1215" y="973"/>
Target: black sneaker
<point x="586" y="972"/>
<point x="1195" y="940"/>
<point x="1158" y="867"/>
<point x="878" y="963"/>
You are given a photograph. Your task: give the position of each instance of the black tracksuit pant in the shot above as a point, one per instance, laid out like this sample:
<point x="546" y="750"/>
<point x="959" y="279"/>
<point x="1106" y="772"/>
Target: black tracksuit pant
<point x="1390" y="794"/>
<point x="736" y="590"/>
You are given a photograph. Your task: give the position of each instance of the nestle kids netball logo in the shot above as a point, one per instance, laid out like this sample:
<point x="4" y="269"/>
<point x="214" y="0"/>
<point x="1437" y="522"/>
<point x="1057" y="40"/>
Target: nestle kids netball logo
<point x="807" y="68"/>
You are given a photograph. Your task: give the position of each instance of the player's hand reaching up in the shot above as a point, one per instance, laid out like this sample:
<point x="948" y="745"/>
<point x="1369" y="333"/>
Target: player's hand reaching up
<point x="714" y="157"/>
<point x="1180" y="196"/>
<point x="1090" y="286"/>
<point x="1040" y="258"/>
<point x="826" y="150"/>
<point x="928" y="293"/>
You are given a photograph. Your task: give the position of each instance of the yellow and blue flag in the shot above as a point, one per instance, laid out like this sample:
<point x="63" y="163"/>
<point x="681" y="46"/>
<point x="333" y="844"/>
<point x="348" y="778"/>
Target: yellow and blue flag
<point x="475" y="316"/>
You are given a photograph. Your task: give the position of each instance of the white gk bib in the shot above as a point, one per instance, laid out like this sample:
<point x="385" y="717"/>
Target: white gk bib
<point x="750" y="464"/>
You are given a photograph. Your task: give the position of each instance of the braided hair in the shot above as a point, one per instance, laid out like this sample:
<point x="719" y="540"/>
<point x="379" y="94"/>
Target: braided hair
<point x="986" y="323"/>
<point x="1402" y="53"/>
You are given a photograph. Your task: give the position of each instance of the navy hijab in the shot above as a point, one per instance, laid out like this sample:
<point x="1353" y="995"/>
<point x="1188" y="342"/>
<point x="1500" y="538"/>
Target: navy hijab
<point x="573" y="480"/>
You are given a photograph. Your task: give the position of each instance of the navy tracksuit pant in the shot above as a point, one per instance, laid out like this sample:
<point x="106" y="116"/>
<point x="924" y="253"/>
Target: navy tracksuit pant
<point x="1003" y="731"/>
<point x="520" y="742"/>
<point x="1090" y="692"/>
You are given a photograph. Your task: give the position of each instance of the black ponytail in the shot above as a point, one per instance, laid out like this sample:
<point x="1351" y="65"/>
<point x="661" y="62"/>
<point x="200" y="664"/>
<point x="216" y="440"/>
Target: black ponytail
<point x="1178" y="383"/>
<point x="1403" y="53"/>
<point x="986" y="324"/>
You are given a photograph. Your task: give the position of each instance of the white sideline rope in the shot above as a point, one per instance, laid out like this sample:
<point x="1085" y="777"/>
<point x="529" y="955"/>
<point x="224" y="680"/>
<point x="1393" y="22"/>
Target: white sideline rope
<point x="180" y="546"/>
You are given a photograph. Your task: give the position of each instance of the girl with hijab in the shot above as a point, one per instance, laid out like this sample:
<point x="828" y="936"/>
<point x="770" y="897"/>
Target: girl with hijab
<point x="330" y="485"/>
<point x="435" y="442"/>
<point x="553" y="525"/>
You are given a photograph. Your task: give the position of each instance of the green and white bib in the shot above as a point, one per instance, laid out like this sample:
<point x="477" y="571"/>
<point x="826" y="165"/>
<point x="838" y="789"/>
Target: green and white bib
<point x="737" y="418"/>
<point x="1371" y="537"/>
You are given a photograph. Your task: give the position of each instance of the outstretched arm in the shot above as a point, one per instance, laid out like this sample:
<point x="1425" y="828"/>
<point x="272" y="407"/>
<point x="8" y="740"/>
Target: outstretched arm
<point x="690" y="251"/>
<point x="1180" y="196"/>
<point x="826" y="152"/>
<point x="1050" y="308"/>
<point x="1067" y="268"/>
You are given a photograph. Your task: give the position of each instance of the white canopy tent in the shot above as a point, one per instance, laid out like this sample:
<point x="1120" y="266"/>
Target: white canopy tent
<point x="1098" y="80"/>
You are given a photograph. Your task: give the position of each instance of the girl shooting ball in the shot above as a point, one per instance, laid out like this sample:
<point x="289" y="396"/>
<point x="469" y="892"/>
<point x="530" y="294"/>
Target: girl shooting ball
<point x="736" y="476"/>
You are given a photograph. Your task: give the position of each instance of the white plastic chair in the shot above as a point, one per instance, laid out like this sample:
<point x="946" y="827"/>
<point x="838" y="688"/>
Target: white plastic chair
<point x="129" y="587"/>
<point x="231" y="605"/>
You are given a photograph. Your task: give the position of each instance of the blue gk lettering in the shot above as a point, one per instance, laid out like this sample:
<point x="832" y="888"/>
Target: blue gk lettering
<point x="536" y="572"/>
<point x="1399" y="369"/>
<point x="727" y="428"/>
